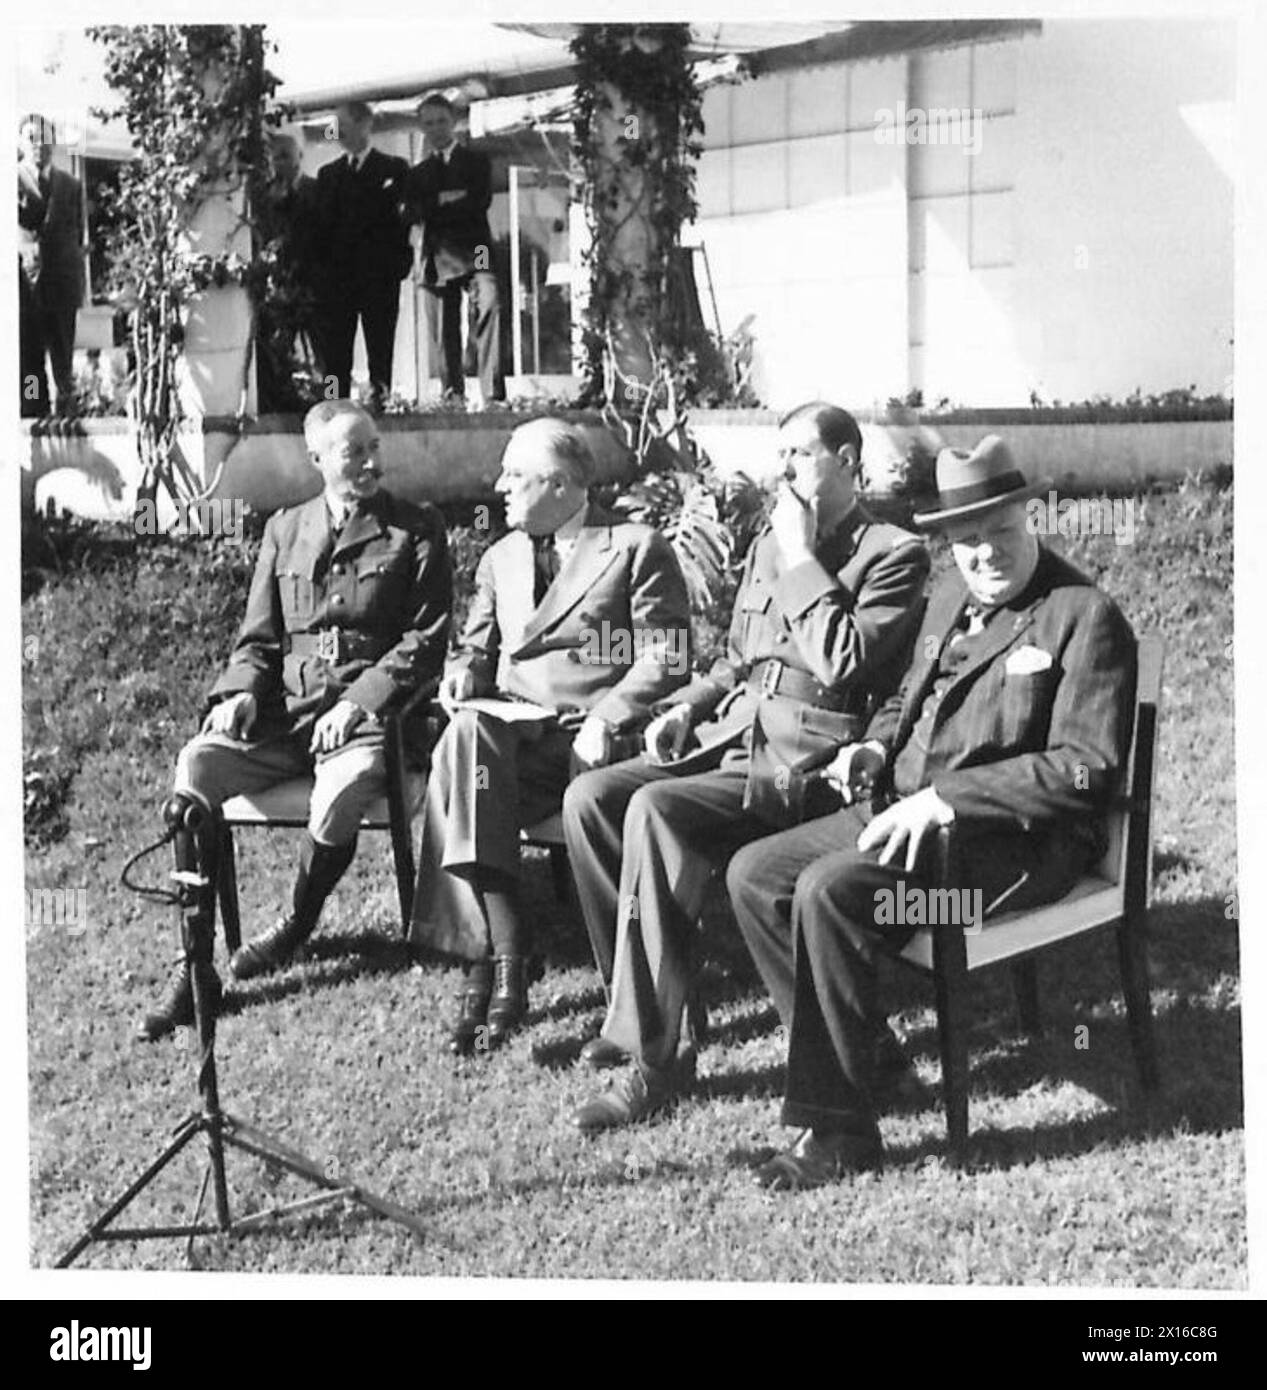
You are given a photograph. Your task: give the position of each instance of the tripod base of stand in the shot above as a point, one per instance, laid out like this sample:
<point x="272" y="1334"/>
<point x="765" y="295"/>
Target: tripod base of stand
<point x="223" y="1130"/>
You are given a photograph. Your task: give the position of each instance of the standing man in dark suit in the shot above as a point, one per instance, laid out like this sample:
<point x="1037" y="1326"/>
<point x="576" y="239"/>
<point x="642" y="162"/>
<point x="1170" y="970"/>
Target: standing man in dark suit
<point x="364" y="246"/>
<point x="582" y="614"/>
<point x="286" y="228"/>
<point x="51" y="210"/>
<point x="347" y="616"/>
<point x="1012" y="723"/>
<point x="450" y="193"/>
<point x="822" y="630"/>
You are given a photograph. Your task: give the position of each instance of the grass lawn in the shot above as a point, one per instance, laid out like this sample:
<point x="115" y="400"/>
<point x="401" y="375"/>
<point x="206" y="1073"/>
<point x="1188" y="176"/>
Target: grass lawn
<point x="1072" y="1179"/>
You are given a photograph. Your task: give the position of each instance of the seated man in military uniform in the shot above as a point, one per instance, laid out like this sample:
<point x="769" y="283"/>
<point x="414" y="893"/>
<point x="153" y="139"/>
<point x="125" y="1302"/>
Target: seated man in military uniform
<point x="827" y="609"/>
<point x="348" y="615"/>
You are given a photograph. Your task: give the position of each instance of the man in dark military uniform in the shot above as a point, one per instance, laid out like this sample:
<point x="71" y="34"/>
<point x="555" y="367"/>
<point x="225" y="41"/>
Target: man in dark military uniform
<point x="348" y="614"/>
<point x="822" y="629"/>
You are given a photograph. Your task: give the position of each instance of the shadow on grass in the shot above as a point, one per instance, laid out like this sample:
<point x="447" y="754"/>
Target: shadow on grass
<point x="338" y="959"/>
<point x="354" y="1217"/>
<point x="1191" y="949"/>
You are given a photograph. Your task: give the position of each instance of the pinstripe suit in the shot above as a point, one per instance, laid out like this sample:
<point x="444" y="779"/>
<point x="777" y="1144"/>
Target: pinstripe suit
<point x="1026" y="752"/>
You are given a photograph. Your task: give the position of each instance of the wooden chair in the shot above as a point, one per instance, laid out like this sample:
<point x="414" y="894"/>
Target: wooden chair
<point x="1116" y="895"/>
<point x="285" y="806"/>
<point x="548" y="834"/>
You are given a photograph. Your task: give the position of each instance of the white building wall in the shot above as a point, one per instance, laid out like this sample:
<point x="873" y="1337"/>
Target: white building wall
<point x="803" y="216"/>
<point x="1125" y="207"/>
<point x="1084" y="249"/>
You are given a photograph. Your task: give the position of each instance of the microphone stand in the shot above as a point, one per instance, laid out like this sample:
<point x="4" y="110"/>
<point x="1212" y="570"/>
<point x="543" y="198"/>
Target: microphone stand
<point x="222" y="1130"/>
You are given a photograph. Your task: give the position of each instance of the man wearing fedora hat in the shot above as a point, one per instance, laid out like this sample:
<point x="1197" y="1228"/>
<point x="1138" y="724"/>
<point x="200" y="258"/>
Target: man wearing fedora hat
<point x="1012" y="722"/>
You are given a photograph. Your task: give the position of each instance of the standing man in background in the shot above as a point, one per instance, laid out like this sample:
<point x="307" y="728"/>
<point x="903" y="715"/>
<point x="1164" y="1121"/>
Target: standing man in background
<point x="51" y="214"/>
<point x="365" y="253"/>
<point x="450" y="193"/>
<point x="285" y="225"/>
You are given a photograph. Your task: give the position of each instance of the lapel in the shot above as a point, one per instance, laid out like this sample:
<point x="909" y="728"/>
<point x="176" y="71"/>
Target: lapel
<point x="592" y="553"/>
<point x="944" y="610"/>
<point x="367" y="525"/>
<point x="1005" y="629"/>
<point x="313" y="539"/>
<point x="836" y="550"/>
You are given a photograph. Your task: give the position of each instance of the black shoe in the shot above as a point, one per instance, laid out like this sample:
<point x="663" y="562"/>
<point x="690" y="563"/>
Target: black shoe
<point x="508" y="1004"/>
<point x="895" y="1081"/>
<point x="472" y="1019"/>
<point x="638" y="1094"/>
<point x="818" y="1159"/>
<point x="601" y="1054"/>
<point x="176" y="1008"/>
<point x="269" y="951"/>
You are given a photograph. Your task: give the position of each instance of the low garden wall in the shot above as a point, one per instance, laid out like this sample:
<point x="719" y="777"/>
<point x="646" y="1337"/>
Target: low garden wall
<point x="90" y="467"/>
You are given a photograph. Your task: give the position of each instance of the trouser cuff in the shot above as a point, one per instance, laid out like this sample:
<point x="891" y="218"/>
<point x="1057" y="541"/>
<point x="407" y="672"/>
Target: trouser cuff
<point x="823" y="1119"/>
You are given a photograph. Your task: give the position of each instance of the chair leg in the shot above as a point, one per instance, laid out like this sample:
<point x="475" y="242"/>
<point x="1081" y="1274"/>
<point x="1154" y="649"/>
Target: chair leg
<point x="950" y="976"/>
<point x="230" y="912"/>
<point x="560" y="872"/>
<point x="1025" y="982"/>
<point x="1132" y="956"/>
<point x="406" y="871"/>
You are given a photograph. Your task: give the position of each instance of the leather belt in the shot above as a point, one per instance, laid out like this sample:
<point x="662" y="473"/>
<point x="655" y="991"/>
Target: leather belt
<point x="335" y="645"/>
<point x="770" y="678"/>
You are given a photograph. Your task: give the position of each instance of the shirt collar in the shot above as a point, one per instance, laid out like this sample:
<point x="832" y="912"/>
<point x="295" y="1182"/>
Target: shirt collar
<point x="446" y="153"/>
<point x="571" y="528"/>
<point x="336" y="510"/>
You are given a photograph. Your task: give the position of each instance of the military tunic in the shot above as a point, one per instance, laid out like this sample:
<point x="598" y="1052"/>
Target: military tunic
<point x="812" y="649"/>
<point x="362" y="615"/>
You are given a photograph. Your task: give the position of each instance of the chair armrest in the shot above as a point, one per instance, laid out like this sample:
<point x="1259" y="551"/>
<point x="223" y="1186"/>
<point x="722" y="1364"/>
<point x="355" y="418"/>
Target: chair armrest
<point x="947" y="869"/>
<point x="393" y="730"/>
<point x="425" y="692"/>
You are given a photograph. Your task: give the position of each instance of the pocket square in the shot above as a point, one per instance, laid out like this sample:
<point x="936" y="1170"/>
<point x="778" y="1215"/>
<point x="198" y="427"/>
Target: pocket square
<point x="1027" y="661"/>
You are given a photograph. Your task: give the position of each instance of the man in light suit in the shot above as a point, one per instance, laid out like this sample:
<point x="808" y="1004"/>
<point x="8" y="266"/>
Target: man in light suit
<point x="450" y="192"/>
<point x="585" y="616"/>
<point x="364" y="253"/>
<point x="51" y="214"/>
<point x="822" y="630"/>
<point x="1013" y="723"/>
<point x="347" y="616"/>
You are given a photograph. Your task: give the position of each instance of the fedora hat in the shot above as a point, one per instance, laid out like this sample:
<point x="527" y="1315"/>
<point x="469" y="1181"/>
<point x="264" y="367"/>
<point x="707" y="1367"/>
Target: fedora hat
<point x="972" y="482"/>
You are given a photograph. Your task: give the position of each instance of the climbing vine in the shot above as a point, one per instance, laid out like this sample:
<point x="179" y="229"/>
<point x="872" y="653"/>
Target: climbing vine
<point x="195" y="99"/>
<point x="636" y="128"/>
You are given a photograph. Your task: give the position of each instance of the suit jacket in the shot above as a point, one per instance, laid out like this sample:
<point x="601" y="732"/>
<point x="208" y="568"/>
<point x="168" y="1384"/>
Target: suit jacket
<point x="846" y="618"/>
<point x="292" y="221"/>
<point x="612" y="634"/>
<point x="1025" y="743"/>
<point x="362" y="236"/>
<point x="386" y="582"/>
<point x="53" y="250"/>
<point x="451" y="231"/>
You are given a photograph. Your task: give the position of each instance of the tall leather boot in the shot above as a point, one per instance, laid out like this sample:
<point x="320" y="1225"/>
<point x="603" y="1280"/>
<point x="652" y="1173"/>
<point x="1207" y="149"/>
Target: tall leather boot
<point x="508" y="1005"/>
<point x="320" y="868"/>
<point x="472" y="1019"/>
<point x="196" y="856"/>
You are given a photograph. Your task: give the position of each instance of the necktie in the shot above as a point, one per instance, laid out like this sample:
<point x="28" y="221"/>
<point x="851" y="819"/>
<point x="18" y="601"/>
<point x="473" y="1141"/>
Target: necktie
<point x="545" y="566"/>
<point x="971" y="621"/>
